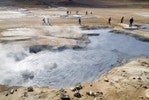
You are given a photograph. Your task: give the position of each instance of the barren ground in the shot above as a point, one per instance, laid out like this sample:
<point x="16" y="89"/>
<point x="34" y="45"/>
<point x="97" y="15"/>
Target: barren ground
<point x="127" y="82"/>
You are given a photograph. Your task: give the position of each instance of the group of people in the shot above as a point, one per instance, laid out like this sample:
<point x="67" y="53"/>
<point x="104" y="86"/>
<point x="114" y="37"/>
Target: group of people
<point x="122" y="20"/>
<point x="46" y="21"/>
<point x="77" y="12"/>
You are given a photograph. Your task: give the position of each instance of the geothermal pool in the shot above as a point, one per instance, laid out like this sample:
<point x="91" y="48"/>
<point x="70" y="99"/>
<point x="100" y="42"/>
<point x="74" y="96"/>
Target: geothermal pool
<point x="68" y="67"/>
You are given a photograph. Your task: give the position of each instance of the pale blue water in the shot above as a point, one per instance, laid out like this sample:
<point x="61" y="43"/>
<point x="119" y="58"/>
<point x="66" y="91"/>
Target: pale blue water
<point x="68" y="67"/>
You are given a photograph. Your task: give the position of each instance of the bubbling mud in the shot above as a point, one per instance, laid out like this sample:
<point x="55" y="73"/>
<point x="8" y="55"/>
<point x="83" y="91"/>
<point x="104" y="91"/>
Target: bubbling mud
<point x="65" y="68"/>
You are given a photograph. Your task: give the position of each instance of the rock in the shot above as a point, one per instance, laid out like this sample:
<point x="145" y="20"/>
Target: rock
<point x="25" y="94"/>
<point x="65" y="97"/>
<point x="73" y="89"/>
<point x="94" y="94"/>
<point x="30" y="89"/>
<point x="12" y="91"/>
<point x="106" y="80"/>
<point x="6" y="94"/>
<point x="139" y="78"/>
<point x="79" y="87"/>
<point x="141" y="97"/>
<point x="147" y="93"/>
<point x="124" y="71"/>
<point x="77" y="94"/>
<point x="90" y="93"/>
<point x="62" y="90"/>
<point x="99" y="94"/>
<point x="16" y="90"/>
<point x="145" y="87"/>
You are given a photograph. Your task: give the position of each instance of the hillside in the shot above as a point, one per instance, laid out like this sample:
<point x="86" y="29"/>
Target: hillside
<point x="95" y="3"/>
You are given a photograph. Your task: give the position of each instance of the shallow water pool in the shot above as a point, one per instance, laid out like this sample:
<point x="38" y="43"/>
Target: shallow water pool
<point x="68" y="67"/>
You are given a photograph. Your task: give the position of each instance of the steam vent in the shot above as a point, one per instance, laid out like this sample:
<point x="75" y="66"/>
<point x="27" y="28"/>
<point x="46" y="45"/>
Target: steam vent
<point x="74" y="50"/>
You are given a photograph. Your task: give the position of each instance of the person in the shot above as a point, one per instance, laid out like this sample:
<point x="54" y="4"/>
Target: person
<point x="91" y="12"/>
<point x="67" y="12"/>
<point x="77" y="12"/>
<point x="48" y="20"/>
<point x="109" y="20"/>
<point x="122" y="19"/>
<point x="44" y="21"/>
<point x="86" y="13"/>
<point x="80" y="21"/>
<point x="70" y="12"/>
<point x="131" y="22"/>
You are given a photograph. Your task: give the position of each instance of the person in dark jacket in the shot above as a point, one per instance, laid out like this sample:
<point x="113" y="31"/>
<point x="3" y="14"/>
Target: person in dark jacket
<point x="131" y="22"/>
<point x="122" y="19"/>
<point x="44" y="21"/>
<point x="109" y="20"/>
<point x="80" y="21"/>
<point x="86" y="13"/>
<point x="67" y="12"/>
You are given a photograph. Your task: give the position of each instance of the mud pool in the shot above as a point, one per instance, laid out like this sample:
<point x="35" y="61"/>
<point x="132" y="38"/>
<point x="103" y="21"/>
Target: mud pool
<point x="66" y="68"/>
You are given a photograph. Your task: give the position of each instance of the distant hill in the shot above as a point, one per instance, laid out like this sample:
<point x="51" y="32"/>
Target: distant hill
<point x="99" y="3"/>
<point x="95" y="3"/>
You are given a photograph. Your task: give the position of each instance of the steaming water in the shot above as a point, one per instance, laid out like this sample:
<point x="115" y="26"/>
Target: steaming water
<point x="68" y="67"/>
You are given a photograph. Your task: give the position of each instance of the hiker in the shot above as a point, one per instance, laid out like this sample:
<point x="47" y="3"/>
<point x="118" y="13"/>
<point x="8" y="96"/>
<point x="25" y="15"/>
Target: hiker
<point x="67" y="12"/>
<point x="109" y="21"/>
<point x="131" y="22"/>
<point x="48" y="20"/>
<point x="44" y="21"/>
<point x="122" y="19"/>
<point x="80" y="21"/>
<point x="86" y="13"/>
<point x="77" y="12"/>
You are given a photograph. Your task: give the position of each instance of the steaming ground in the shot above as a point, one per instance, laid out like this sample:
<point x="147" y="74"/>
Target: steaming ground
<point x="68" y="67"/>
<point x="23" y="28"/>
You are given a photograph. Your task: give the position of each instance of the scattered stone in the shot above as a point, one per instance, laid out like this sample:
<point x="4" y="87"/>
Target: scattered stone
<point x="141" y="97"/>
<point x="77" y="94"/>
<point x="90" y="93"/>
<point x="94" y="94"/>
<point x="147" y="93"/>
<point x="65" y="97"/>
<point x="25" y="94"/>
<point x="15" y="89"/>
<point x="79" y="86"/>
<point x="62" y="90"/>
<point x="106" y="80"/>
<point x="145" y="87"/>
<point x="73" y="89"/>
<point x="12" y="91"/>
<point x="99" y="94"/>
<point x="6" y="94"/>
<point x="95" y="98"/>
<point x="139" y="78"/>
<point x="30" y="89"/>
<point x="124" y="71"/>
